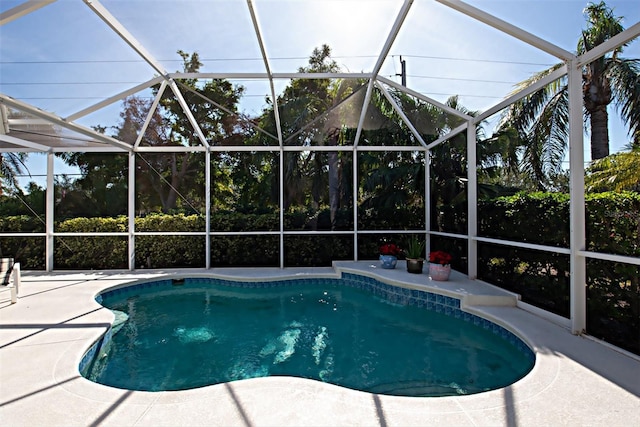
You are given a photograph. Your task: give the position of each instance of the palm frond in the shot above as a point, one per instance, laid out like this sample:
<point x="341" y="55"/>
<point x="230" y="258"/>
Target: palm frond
<point x="602" y="25"/>
<point x="11" y="165"/>
<point x="523" y="113"/>
<point x="541" y="121"/>
<point x="624" y="75"/>
<point x="617" y="172"/>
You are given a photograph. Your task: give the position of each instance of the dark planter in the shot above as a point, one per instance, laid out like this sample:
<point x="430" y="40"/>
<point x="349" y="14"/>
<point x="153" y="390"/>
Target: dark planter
<point x="415" y="265"/>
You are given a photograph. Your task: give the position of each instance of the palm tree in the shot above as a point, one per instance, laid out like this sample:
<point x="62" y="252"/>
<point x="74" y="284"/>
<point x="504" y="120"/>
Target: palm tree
<point x="617" y="172"/>
<point x="11" y="165"/>
<point x="607" y="79"/>
<point x="541" y="119"/>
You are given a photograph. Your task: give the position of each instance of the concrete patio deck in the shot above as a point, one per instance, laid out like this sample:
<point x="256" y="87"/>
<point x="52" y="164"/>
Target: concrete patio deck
<point x="576" y="381"/>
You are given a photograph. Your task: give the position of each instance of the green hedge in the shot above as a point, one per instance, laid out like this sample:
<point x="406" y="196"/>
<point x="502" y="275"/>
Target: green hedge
<point x="613" y="289"/>
<point x="110" y="252"/>
<point x="541" y="218"/>
<point x="543" y="278"/>
<point x="22" y="224"/>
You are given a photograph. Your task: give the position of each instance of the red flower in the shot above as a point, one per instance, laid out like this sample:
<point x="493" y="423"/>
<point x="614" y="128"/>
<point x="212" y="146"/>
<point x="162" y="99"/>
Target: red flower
<point x="389" y="249"/>
<point x="440" y="257"/>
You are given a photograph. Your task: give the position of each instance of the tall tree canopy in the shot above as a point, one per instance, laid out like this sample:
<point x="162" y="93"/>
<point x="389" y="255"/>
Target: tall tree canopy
<point x="164" y="181"/>
<point x="303" y="110"/>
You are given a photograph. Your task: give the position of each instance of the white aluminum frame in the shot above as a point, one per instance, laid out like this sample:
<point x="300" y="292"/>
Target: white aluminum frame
<point x="571" y="68"/>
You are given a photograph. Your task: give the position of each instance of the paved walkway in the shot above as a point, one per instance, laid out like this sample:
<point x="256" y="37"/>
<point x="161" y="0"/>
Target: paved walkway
<point x="576" y="381"/>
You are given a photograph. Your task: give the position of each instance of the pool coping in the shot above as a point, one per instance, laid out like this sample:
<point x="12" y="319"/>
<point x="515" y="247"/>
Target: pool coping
<point x="57" y="319"/>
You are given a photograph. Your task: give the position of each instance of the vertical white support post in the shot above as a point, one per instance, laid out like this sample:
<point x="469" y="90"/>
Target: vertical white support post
<point x="207" y="207"/>
<point x="17" y="277"/>
<point x="281" y="205"/>
<point x="472" y="202"/>
<point x="50" y="211"/>
<point x="577" y="234"/>
<point x="427" y="200"/>
<point x="355" y="203"/>
<point x="131" y="209"/>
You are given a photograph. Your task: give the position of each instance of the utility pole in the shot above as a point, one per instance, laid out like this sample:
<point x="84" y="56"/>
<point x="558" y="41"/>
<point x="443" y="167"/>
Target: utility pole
<point x="403" y="72"/>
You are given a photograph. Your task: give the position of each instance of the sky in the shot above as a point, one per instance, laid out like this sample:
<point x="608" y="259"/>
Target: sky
<point x="63" y="58"/>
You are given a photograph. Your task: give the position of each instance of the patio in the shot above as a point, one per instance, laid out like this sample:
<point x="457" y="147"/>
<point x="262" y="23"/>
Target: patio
<point x="576" y="380"/>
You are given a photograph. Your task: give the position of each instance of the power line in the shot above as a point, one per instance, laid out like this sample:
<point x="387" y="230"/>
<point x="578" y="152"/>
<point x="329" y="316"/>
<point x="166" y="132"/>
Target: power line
<point x="65" y="83"/>
<point x="31" y="98"/>
<point x="37" y="175"/>
<point x="461" y="79"/>
<point x="461" y="94"/>
<point x="494" y="61"/>
<point x="244" y="96"/>
<point x="123" y="82"/>
<point x="402" y="62"/>
<point x="282" y="58"/>
<point x="140" y="61"/>
<point x="402" y="74"/>
<point x="50" y="98"/>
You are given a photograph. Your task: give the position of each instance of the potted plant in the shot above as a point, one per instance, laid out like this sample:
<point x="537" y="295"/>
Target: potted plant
<point x="440" y="265"/>
<point x="389" y="255"/>
<point x="413" y="254"/>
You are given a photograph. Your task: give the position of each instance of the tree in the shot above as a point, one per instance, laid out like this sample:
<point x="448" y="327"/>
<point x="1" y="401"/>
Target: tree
<point x="11" y="165"/>
<point x="29" y="202"/>
<point x="607" y="79"/>
<point x="214" y="107"/>
<point x="100" y="191"/>
<point x="393" y="179"/>
<point x="541" y="119"/>
<point x="302" y="103"/>
<point x="304" y="109"/>
<point x="617" y="172"/>
<point x="164" y="181"/>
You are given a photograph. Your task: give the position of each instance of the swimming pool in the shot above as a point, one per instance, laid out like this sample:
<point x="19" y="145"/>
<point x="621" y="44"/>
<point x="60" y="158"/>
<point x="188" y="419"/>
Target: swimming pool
<point x="356" y="332"/>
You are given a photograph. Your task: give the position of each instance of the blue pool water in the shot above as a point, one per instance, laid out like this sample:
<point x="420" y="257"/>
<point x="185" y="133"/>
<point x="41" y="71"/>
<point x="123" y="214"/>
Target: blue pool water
<point x="354" y="332"/>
